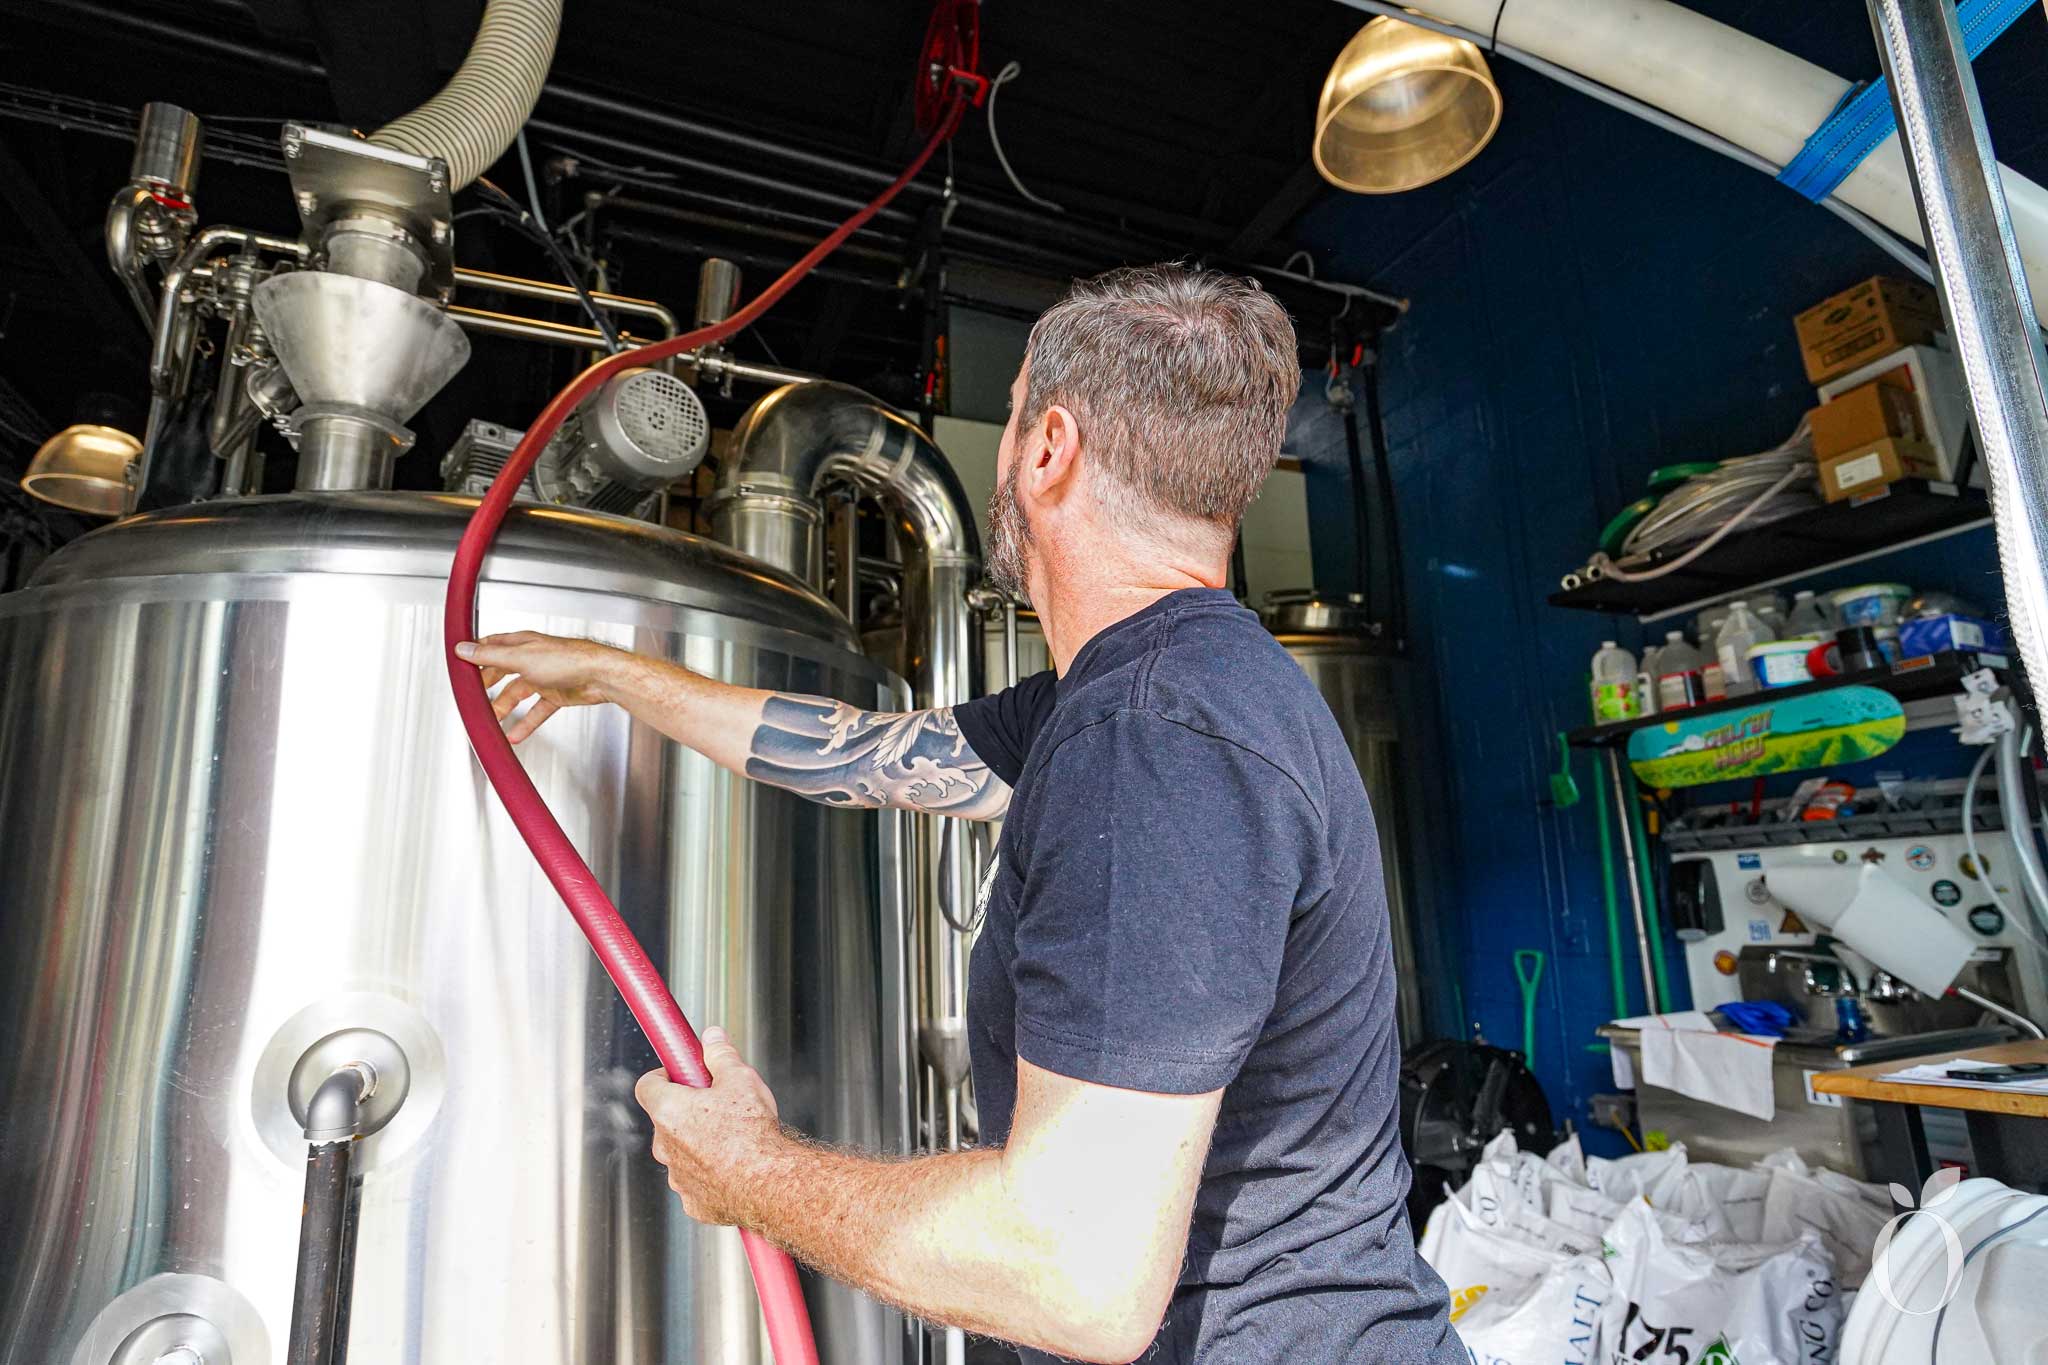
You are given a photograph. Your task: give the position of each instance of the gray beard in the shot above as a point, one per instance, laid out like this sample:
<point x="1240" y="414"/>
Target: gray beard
<point x="1008" y="559"/>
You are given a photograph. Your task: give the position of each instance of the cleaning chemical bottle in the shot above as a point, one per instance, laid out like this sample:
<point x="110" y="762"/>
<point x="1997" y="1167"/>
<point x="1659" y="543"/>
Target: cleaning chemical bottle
<point x="1614" y="684"/>
<point x="1809" y="619"/>
<point x="1742" y="631"/>
<point x="1646" y="682"/>
<point x="1679" y="667"/>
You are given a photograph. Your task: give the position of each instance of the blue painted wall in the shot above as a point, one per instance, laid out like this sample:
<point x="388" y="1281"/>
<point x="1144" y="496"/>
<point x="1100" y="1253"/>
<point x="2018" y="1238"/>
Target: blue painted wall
<point x="1592" y="298"/>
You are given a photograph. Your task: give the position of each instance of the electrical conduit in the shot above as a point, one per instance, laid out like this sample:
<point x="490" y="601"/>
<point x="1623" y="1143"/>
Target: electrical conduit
<point x="625" y="961"/>
<point x="1614" y="954"/>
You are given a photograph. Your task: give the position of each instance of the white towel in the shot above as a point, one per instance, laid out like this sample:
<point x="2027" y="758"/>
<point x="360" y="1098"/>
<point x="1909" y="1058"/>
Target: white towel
<point x="1683" y="1052"/>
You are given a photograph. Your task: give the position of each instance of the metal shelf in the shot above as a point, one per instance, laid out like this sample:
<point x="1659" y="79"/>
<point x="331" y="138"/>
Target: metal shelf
<point x="1834" y="534"/>
<point x="1910" y="680"/>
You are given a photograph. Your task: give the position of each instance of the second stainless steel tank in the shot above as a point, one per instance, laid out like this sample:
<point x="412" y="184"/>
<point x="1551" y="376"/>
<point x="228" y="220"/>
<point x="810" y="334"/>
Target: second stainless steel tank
<point x="238" y="814"/>
<point x="1360" y="678"/>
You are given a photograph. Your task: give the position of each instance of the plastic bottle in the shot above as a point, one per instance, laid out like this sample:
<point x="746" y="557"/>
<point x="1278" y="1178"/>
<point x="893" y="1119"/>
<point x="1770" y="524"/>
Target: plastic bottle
<point x="1770" y="609"/>
<point x="1739" y="632"/>
<point x="1680" y="686"/>
<point x="1646" y="682"/>
<point x="1706" y="628"/>
<point x="1614" y="684"/>
<point x="1809" y="619"/>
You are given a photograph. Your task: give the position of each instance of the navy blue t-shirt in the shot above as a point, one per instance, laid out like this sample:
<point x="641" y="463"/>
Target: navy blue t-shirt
<point x="1187" y="896"/>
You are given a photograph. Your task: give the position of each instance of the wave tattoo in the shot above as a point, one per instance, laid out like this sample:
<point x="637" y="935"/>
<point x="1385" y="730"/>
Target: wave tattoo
<point x="843" y="756"/>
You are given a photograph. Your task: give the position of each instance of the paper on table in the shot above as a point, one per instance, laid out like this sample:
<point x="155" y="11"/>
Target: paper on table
<point x="1936" y="1073"/>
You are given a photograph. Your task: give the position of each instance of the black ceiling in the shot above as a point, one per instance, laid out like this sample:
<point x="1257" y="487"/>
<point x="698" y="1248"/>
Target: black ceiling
<point x="1165" y="129"/>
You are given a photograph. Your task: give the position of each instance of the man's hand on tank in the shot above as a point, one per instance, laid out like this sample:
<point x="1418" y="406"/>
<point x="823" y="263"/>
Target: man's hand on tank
<point x="556" y="672"/>
<point x="714" y="1141"/>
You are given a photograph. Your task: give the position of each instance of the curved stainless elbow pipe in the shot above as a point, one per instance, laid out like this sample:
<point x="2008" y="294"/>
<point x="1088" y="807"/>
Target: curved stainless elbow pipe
<point x="802" y="439"/>
<point x="335" y="1113"/>
<point x="788" y="452"/>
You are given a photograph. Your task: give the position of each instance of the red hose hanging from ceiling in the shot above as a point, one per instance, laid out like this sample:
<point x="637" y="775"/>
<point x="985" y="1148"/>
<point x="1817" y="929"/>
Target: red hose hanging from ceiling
<point x="627" y="963"/>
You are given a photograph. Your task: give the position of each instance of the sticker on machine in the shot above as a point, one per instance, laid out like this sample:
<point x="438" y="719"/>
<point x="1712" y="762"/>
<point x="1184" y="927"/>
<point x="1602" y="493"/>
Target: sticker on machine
<point x="1920" y="858"/>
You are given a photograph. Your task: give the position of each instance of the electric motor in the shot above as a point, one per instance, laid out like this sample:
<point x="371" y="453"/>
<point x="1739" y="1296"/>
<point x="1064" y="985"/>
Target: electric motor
<point x="642" y="431"/>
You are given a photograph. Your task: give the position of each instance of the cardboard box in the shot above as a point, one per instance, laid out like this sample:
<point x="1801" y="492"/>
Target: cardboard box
<point x="1869" y="412"/>
<point x="1859" y="324"/>
<point x="1871" y="467"/>
<point x="1935" y="379"/>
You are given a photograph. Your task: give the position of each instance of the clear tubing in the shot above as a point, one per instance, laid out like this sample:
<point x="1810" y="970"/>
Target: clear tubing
<point x="2019" y="825"/>
<point x="1970" y="843"/>
<point x="638" y="980"/>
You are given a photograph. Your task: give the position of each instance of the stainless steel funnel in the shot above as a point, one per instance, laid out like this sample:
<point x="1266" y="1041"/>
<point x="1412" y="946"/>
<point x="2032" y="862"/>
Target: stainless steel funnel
<point x="364" y="357"/>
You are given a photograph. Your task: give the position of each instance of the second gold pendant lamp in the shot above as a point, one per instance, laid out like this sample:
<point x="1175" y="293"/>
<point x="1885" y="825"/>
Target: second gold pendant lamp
<point x="1403" y="106"/>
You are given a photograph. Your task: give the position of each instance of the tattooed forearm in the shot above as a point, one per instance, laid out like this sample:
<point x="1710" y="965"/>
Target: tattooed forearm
<point x="843" y="756"/>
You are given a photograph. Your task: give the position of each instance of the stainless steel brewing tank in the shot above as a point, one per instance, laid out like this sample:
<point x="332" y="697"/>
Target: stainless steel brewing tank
<point x="238" y="812"/>
<point x="1332" y="639"/>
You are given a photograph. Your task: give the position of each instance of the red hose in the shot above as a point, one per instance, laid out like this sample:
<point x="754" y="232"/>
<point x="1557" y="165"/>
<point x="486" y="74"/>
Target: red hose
<point x="627" y="963"/>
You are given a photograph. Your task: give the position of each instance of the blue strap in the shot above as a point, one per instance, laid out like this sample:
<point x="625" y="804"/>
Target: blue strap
<point x="1864" y="119"/>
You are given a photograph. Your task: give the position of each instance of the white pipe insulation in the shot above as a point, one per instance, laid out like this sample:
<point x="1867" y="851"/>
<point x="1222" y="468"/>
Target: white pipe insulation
<point x="474" y="118"/>
<point x="1741" y="88"/>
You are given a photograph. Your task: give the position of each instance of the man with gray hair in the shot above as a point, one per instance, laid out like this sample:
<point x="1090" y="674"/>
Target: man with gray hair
<point x="1181" y="1002"/>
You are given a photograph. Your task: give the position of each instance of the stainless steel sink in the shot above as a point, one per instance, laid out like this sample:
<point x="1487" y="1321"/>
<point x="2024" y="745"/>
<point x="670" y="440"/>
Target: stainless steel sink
<point x="1820" y="1128"/>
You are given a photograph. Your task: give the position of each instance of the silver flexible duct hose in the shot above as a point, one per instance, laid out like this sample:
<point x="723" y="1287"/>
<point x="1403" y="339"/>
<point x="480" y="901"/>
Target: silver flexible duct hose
<point x="474" y="118"/>
<point x="1985" y="298"/>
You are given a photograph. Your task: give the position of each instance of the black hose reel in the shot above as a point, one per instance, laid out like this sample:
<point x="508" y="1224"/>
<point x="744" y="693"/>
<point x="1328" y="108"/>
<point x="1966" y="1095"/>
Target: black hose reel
<point x="1455" y="1098"/>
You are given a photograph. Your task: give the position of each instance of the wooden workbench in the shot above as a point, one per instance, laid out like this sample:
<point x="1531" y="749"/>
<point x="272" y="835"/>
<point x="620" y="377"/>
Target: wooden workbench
<point x="2008" y="1128"/>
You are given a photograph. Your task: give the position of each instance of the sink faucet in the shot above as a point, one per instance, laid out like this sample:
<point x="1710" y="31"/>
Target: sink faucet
<point x="1846" y="985"/>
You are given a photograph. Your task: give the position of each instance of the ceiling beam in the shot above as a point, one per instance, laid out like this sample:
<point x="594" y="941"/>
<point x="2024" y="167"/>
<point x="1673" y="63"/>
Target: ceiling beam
<point x="1294" y="196"/>
<point x="828" y="329"/>
<point x="111" y="313"/>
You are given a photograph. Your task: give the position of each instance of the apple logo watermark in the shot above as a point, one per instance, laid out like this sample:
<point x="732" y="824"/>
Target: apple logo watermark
<point x="1939" y="1187"/>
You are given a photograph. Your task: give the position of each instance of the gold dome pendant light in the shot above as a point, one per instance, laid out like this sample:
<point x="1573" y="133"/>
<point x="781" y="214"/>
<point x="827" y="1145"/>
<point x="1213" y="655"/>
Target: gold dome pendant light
<point x="1403" y="106"/>
<point x="84" y="468"/>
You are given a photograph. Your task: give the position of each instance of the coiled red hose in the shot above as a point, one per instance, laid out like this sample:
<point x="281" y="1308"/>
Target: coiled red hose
<point x="627" y="963"/>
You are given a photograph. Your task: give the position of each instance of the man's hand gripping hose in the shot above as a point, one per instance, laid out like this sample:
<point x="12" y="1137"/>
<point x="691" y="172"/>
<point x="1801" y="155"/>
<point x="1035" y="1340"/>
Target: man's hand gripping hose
<point x="627" y="963"/>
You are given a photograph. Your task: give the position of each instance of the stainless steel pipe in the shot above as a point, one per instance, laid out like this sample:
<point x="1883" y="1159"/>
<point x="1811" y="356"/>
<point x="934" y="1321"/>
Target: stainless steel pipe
<point x="712" y="367"/>
<point x="520" y="287"/>
<point x="789" y="451"/>
<point x="1983" y="288"/>
<point x="321" y="1284"/>
<point x="1631" y="859"/>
